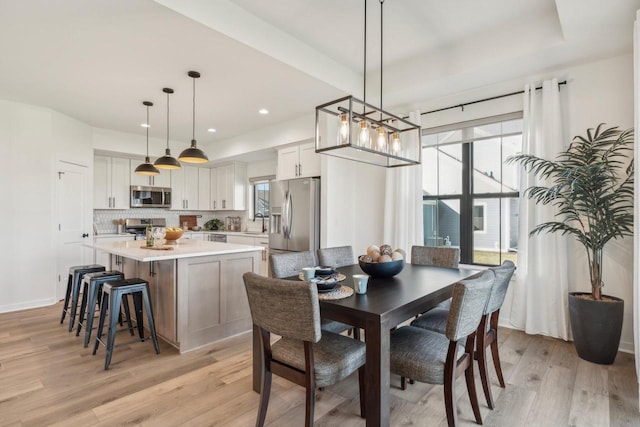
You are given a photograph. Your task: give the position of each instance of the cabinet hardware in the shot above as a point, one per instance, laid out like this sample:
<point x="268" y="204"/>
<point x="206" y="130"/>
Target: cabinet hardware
<point x="299" y="169"/>
<point x="296" y="170"/>
<point x="84" y="235"/>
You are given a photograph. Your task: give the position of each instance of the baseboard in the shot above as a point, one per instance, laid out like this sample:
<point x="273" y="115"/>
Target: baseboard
<point x="27" y="305"/>
<point x="625" y="346"/>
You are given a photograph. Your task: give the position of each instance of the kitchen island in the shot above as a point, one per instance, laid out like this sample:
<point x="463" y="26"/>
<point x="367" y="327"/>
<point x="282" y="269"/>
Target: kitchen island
<point x="196" y="287"/>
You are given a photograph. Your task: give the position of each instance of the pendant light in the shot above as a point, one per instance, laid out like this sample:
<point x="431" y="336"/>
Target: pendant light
<point x="167" y="161"/>
<point x="353" y="129"/>
<point x="147" y="168"/>
<point x="193" y="154"/>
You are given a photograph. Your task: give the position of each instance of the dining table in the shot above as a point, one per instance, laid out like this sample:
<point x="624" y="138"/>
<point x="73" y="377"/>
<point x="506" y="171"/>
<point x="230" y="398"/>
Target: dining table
<point x="388" y="302"/>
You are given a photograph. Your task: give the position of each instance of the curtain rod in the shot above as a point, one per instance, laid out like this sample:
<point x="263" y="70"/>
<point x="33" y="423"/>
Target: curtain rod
<point x="483" y="100"/>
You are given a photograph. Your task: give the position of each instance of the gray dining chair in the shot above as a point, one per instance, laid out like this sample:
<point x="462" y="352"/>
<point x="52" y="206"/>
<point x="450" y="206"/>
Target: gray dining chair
<point x="290" y="264"/>
<point x="305" y="354"/>
<point x="438" y="256"/>
<point x="338" y="256"/>
<point x="434" y="358"/>
<point x="436" y="320"/>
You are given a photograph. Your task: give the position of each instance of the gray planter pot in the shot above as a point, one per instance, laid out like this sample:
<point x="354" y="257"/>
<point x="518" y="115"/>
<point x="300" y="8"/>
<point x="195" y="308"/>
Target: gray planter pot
<point x="596" y="326"/>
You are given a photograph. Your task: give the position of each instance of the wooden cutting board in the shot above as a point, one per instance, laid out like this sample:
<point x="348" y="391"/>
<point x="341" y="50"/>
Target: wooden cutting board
<point x="190" y="220"/>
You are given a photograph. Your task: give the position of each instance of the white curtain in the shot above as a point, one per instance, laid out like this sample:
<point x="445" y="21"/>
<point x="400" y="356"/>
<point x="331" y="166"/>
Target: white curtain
<point x="540" y="303"/>
<point x="636" y="234"/>
<point x="403" y="203"/>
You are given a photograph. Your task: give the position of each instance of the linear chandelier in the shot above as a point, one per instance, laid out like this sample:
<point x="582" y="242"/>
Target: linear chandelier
<point x="356" y="130"/>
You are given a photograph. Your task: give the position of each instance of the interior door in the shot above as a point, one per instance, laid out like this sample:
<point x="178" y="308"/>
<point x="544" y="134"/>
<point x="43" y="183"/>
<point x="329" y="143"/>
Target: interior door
<point x="73" y="218"/>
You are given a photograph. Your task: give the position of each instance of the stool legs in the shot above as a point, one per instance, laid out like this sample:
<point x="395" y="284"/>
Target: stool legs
<point x="115" y="302"/>
<point x="66" y="298"/>
<point x="152" y="325"/>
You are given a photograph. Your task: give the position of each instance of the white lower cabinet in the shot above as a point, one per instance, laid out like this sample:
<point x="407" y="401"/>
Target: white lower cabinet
<point x="262" y="241"/>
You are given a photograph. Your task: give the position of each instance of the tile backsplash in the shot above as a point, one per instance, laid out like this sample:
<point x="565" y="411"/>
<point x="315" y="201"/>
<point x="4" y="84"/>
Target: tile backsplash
<point x="104" y="218"/>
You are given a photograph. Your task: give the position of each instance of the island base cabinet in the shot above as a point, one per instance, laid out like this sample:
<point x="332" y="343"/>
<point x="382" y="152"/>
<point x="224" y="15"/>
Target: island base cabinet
<point x="162" y="292"/>
<point x="212" y="301"/>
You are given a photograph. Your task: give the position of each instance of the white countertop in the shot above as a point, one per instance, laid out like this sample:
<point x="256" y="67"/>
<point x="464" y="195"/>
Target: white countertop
<point x="185" y="248"/>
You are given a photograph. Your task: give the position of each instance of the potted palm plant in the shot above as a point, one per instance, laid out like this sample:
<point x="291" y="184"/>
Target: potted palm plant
<point x="591" y="189"/>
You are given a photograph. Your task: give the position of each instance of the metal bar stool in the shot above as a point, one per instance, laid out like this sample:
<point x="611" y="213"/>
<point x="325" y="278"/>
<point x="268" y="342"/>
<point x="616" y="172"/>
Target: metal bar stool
<point x="73" y="290"/>
<point x="113" y="294"/>
<point x="91" y="295"/>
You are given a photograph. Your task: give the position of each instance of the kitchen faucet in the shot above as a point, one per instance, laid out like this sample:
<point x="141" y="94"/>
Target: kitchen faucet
<point x="260" y="215"/>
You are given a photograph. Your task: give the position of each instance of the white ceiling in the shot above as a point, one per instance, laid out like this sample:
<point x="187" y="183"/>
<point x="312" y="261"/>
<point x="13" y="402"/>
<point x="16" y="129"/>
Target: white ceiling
<point x="98" y="60"/>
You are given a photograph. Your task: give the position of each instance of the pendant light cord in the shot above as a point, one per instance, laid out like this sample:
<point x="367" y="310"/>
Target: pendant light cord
<point x="167" y="120"/>
<point x="381" y="41"/>
<point x="147" y="131"/>
<point x="193" y="127"/>
<point x="364" y="89"/>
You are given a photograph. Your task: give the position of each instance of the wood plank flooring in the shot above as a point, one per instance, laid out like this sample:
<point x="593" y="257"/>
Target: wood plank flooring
<point x="48" y="378"/>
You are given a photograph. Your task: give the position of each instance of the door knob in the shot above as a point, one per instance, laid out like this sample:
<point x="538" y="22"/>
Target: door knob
<point x="85" y="235"/>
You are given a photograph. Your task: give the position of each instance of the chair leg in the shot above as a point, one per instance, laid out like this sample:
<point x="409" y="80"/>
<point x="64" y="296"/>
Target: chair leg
<point x="103" y="313"/>
<point x="356" y="334"/>
<point x="265" y="391"/>
<point x="403" y="383"/>
<point x="482" y="362"/>
<point x="494" y="346"/>
<point x="114" y="303"/>
<point x="361" y="379"/>
<point x="450" y="384"/>
<point x="66" y="299"/>
<point x="152" y="324"/>
<point x="471" y="384"/>
<point x="310" y="406"/>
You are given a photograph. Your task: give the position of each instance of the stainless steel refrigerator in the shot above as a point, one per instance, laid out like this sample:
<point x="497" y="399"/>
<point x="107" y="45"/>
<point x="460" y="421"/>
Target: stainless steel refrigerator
<point x="294" y="220"/>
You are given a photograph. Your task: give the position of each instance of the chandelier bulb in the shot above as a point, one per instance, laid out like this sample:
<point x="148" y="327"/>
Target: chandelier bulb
<point x="343" y="132"/>
<point x="363" y="138"/>
<point x="382" y="139"/>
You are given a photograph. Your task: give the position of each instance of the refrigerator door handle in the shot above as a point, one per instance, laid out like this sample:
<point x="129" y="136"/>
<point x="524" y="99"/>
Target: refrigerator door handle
<point x="285" y="215"/>
<point x="289" y="214"/>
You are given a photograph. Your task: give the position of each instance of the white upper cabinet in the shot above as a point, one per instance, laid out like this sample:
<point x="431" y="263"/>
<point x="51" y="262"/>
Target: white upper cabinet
<point x="228" y="187"/>
<point x="162" y="180"/>
<point x="110" y="183"/>
<point x="204" y="189"/>
<point x="184" y="188"/>
<point x="300" y="161"/>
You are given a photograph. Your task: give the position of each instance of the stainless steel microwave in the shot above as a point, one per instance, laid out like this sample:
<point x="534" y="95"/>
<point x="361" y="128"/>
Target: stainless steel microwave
<point x="150" y="197"/>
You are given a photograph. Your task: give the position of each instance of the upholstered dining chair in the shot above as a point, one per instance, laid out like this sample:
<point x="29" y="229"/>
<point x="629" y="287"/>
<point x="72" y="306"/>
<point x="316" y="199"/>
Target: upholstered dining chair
<point x="436" y="320"/>
<point x="338" y="256"/>
<point x="305" y="354"/>
<point x="434" y="358"/>
<point x="439" y="256"/>
<point x="290" y="264"/>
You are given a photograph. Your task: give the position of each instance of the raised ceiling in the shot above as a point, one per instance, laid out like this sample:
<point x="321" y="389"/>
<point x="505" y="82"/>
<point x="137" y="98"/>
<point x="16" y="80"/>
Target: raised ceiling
<point x="98" y="60"/>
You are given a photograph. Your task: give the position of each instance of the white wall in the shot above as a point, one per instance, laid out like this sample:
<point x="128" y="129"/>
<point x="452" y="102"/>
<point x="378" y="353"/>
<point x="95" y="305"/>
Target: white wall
<point x="33" y="139"/>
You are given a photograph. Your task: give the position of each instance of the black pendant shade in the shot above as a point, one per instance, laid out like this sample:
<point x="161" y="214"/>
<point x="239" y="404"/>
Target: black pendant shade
<point x="147" y="168"/>
<point x="167" y="161"/>
<point x="193" y="154"/>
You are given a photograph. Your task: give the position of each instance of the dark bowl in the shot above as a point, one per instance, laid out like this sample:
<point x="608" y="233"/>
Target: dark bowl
<point x="382" y="269"/>
<point x="324" y="271"/>
<point x="326" y="286"/>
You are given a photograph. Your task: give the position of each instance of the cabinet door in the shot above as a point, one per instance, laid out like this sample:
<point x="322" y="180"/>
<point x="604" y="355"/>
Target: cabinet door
<point x="191" y="187"/>
<point x="162" y="180"/>
<point x="164" y="300"/>
<point x="204" y="189"/>
<point x="240" y="240"/>
<point x="177" y="189"/>
<point x="222" y="186"/>
<point x="213" y="187"/>
<point x="101" y="182"/>
<point x="120" y="183"/>
<point x="287" y="163"/>
<point x="239" y="187"/>
<point x="309" y="162"/>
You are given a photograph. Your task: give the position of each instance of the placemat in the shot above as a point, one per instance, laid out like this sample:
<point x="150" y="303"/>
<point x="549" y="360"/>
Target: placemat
<point x="339" y="293"/>
<point x="340" y="277"/>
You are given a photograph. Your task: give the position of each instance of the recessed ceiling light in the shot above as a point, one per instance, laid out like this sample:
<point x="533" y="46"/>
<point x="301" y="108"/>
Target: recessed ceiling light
<point x="212" y="130"/>
<point x="145" y="125"/>
<point x="263" y="111"/>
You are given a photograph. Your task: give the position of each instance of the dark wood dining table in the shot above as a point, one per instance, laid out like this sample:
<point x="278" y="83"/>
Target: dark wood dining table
<point x="387" y="303"/>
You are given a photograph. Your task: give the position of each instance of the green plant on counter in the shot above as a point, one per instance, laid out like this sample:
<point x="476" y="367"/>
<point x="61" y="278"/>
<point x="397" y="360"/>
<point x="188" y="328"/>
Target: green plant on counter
<point x="214" y="224"/>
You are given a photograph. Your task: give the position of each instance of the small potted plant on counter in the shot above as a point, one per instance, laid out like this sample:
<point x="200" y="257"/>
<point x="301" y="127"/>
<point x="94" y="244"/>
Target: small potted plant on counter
<point x="591" y="189"/>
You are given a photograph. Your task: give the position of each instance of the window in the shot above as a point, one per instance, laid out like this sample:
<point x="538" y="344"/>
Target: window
<point x="470" y="195"/>
<point x="260" y="197"/>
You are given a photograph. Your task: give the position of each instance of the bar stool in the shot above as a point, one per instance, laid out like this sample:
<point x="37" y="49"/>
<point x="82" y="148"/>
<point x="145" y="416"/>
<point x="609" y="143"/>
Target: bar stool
<point x="113" y="293"/>
<point x="73" y="290"/>
<point x="91" y="295"/>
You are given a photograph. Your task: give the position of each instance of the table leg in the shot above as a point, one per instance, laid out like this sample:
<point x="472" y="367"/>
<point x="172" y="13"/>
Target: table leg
<point x="377" y="377"/>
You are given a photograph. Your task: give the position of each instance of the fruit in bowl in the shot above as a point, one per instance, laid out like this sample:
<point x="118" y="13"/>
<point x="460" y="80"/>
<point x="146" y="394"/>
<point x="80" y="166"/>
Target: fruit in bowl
<point x="174" y="233"/>
<point x="382" y="261"/>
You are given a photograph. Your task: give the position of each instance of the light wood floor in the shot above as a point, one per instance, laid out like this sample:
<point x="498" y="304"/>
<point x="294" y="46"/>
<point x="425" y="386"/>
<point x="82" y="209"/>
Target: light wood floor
<point x="48" y="378"/>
